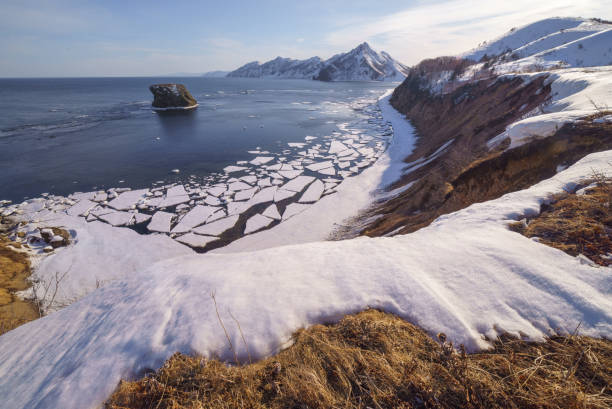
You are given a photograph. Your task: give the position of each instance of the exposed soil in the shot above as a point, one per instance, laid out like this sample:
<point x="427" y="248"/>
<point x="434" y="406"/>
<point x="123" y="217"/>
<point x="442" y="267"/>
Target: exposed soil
<point x="377" y="360"/>
<point x="576" y="224"/>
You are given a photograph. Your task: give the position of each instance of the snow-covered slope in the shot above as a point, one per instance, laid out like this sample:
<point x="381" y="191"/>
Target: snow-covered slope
<point x="466" y="274"/>
<point x="575" y="94"/>
<point x="554" y="42"/>
<point x="280" y="68"/>
<point x="360" y="64"/>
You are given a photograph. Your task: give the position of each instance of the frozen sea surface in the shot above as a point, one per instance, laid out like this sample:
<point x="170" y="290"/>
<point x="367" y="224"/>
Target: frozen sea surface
<point x="83" y="134"/>
<point x="274" y="142"/>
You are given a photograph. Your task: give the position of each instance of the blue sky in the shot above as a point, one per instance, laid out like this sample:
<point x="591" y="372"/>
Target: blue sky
<point x="98" y="38"/>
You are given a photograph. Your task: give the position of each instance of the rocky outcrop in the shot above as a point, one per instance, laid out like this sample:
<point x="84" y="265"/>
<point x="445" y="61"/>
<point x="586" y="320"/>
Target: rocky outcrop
<point x="172" y="96"/>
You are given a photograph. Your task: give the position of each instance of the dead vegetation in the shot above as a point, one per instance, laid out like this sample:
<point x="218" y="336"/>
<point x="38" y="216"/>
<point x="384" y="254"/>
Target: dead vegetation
<point x="16" y="275"/>
<point x="14" y="272"/>
<point x="576" y="223"/>
<point x="377" y="360"/>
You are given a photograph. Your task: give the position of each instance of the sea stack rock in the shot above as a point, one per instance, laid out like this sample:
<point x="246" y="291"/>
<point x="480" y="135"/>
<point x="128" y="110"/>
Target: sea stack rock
<point x="172" y="96"/>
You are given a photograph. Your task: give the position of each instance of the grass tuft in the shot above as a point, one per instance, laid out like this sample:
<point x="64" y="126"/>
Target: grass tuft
<point x="576" y="223"/>
<point x="377" y="360"/>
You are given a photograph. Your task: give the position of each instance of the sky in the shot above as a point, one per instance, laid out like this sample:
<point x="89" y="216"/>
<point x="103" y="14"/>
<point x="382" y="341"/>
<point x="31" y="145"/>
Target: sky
<point x="85" y="38"/>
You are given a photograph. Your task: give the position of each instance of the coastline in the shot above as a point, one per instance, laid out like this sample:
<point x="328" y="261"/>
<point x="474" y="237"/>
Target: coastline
<point x="176" y="108"/>
<point x="353" y="195"/>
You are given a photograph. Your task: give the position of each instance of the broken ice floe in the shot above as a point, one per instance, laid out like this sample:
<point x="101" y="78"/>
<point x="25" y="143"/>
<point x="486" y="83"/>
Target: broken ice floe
<point x="246" y="197"/>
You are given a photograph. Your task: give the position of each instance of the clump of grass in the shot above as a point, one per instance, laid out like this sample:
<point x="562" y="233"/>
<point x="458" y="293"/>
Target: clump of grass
<point x="14" y="272"/>
<point x="576" y="224"/>
<point x="377" y="360"/>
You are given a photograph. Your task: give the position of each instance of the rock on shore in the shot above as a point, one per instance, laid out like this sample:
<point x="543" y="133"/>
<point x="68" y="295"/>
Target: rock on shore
<point x="172" y="96"/>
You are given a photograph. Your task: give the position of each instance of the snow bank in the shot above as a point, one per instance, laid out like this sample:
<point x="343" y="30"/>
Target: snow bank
<point x="355" y="193"/>
<point x="576" y="93"/>
<point x="466" y="275"/>
<point x="518" y="37"/>
<point x="100" y="254"/>
<point x="554" y="42"/>
<point x="588" y="51"/>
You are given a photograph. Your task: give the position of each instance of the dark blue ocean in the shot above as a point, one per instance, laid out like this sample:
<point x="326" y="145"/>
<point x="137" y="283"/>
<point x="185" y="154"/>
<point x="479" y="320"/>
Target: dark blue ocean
<point x="80" y="134"/>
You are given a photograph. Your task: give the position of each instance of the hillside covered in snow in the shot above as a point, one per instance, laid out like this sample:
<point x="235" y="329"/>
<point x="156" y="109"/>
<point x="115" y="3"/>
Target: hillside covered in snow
<point x="549" y="43"/>
<point x="360" y="64"/>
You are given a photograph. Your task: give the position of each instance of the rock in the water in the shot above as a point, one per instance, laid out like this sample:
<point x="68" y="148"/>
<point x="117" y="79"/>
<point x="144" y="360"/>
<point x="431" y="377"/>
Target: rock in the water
<point x="172" y="96"/>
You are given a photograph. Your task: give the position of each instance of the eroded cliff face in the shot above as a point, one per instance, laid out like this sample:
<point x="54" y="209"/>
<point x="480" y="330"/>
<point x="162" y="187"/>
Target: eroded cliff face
<point x="452" y="167"/>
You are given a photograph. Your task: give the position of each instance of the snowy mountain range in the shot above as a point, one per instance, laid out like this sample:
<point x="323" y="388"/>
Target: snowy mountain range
<point x="550" y="43"/>
<point x="360" y="64"/>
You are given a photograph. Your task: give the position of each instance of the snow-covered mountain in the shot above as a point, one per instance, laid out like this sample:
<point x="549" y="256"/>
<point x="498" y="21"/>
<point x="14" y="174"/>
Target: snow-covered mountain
<point x="360" y="64"/>
<point x="280" y="68"/>
<point x="549" y="43"/>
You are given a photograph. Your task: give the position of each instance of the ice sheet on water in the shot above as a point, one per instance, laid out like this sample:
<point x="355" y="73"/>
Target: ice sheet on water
<point x="231" y="169"/>
<point x="141" y="218"/>
<point x="212" y="201"/>
<point x="160" y="222"/>
<point x="336" y="147"/>
<point x="289" y="174"/>
<point x="178" y="190"/>
<point x="293" y="209"/>
<point x="216" y="216"/>
<point x="250" y="179"/>
<point x="245" y="194"/>
<point x="173" y="200"/>
<point x="217" y="227"/>
<point x="319" y="165"/>
<point x="236" y="186"/>
<point x="196" y="216"/>
<point x="196" y="240"/>
<point x="117" y="218"/>
<point x="263" y="196"/>
<point x="313" y="193"/>
<point x="216" y="190"/>
<point x="234" y="208"/>
<point x="272" y="212"/>
<point x="127" y="200"/>
<point x="261" y="160"/>
<point x="298" y="184"/>
<point x="256" y="223"/>
<point x="81" y="208"/>
<point x="265" y="182"/>
<point x="328" y="171"/>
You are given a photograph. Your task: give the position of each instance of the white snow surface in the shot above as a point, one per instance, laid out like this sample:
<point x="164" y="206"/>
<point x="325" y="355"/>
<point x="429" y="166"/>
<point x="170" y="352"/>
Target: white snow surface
<point x="466" y="275"/>
<point x="553" y="42"/>
<point x="575" y="92"/>
<point x="100" y="254"/>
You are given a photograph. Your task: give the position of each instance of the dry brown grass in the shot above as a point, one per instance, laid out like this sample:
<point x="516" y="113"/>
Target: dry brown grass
<point x="14" y="272"/>
<point x="576" y="224"/>
<point x="377" y="360"/>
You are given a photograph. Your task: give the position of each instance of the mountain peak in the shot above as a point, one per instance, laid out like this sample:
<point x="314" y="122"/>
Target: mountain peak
<point x="360" y="64"/>
<point x="364" y="47"/>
